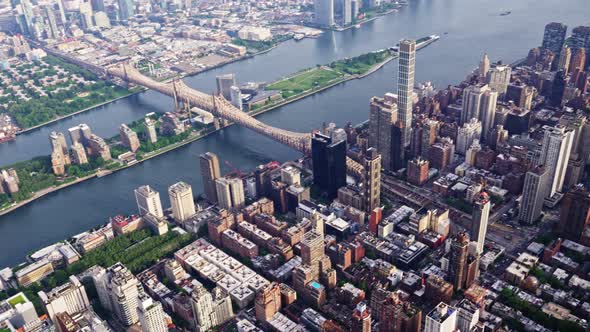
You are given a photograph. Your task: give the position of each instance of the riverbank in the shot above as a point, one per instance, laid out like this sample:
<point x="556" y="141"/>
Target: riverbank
<point x="353" y="66"/>
<point x="192" y="137"/>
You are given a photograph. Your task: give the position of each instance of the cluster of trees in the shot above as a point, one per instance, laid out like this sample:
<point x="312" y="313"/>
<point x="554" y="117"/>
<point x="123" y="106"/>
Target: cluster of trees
<point x="508" y="297"/>
<point x="261" y="45"/>
<point x="544" y="278"/>
<point x="43" y="109"/>
<point x="137" y="250"/>
<point x="360" y="64"/>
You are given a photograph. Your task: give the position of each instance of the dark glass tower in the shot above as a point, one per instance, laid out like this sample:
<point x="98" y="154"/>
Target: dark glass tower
<point x="329" y="164"/>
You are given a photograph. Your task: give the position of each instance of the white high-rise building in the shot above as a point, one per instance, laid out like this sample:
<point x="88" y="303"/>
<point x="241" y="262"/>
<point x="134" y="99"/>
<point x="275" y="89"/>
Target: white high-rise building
<point x="533" y="194"/>
<point x="467" y="134"/>
<point x="236" y="97"/>
<point x="182" y="201"/>
<point x="479" y="220"/>
<point x="324" y="12"/>
<point x="118" y="291"/>
<point x="405" y="86"/>
<point x="221" y="305"/>
<point x="224" y="84"/>
<point x="148" y="201"/>
<point x="70" y="298"/>
<point x="484" y="66"/>
<point x="347" y="12"/>
<point x="150" y="126"/>
<point x="203" y="309"/>
<point x="499" y="77"/>
<point x="151" y="315"/>
<point x="442" y="318"/>
<point x="230" y="192"/>
<point x="555" y="154"/>
<point x="479" y="102"/>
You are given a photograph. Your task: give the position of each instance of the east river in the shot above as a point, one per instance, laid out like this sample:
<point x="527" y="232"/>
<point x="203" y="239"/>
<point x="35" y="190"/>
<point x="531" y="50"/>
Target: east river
<point x="467" y="29"/>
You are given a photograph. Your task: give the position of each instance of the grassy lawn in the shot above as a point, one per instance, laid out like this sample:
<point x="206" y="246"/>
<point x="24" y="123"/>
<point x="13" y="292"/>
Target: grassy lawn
<point x="16" y="300"/>
<point x="305" y="81"/>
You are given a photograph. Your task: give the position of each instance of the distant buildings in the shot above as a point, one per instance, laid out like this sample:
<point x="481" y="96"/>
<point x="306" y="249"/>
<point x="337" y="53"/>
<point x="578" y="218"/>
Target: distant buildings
<point x="479" y="102"/>
<point x="554" y="37"/>
<point x="324" y="12"/>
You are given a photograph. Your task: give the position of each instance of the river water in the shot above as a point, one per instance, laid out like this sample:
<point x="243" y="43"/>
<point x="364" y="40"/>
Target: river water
<point x="467" y="29"/>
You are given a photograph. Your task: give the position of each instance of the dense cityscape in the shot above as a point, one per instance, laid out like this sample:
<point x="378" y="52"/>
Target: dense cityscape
<point x="464" y="208"/>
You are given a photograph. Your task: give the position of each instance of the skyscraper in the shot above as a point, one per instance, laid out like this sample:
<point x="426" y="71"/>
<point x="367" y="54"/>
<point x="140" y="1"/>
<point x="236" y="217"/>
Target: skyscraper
<point x="324" y="12"/>
<point x="126" y="10"/>
<point x="479" y="102"/>
<point x="224" y="85"/>
<point x="230" y="193"/>
<point x="555" y="153"/>
<point x="329" y="164"/>
<point x="236" y="97"/>
<point x="382" y="116"/>
<point x="405" y="85"/>
<point x="150" y="130"/>
<point x="533" y="194"/>
<point x="469" y="132"/>
<point x="479" y="220"/>
<point x="398" y="152"/>
<point x="458" y="260"/>
<point x="347" y="12"/>
<point x="151" y="315"/>
<point x="372" y="179"/>
<point x="148" y="201"/>
<point x="203" y="309"/>
<point x="484" y="67"/>
<point x="119" y="291"/>
<point x="574" y="215"/>
<point x="129" y="138"/>
<point x="312" y="251"/>
<point x="209" y="173"/>
<point x="554" y="37"/>
<point x="580" y="38"/>
<point x="182" y="201"/>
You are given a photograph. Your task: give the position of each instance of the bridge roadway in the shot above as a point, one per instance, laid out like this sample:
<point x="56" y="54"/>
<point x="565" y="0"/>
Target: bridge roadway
<point x="220" y="107"/>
